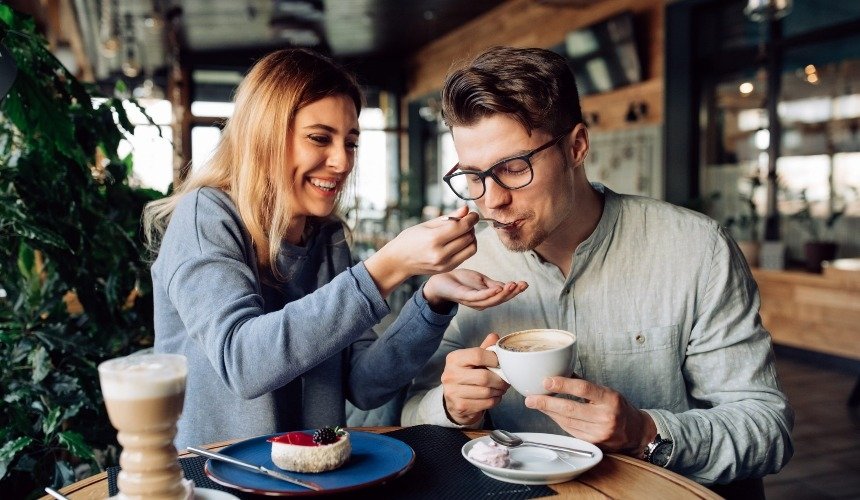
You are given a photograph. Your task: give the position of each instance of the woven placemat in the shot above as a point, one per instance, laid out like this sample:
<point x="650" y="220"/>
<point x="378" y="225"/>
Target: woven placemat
<point x="440" y="471"/>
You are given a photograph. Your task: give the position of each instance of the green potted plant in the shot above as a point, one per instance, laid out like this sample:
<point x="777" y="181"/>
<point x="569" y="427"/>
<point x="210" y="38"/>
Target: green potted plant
<point x="745" y="225"/>
<point x="820" y="245"/>
<point x="74" y="281"/>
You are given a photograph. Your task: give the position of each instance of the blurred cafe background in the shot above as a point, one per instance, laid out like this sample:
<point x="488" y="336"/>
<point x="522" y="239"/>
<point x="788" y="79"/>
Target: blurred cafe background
<point x="746" y="110"/>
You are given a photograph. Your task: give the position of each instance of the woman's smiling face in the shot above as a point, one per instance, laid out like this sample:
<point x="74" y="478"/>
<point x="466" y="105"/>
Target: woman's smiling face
<point x="324" y="143"/>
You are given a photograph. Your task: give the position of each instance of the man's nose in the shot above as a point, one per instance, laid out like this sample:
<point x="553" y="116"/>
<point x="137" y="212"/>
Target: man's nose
<point x="495" y="196"/>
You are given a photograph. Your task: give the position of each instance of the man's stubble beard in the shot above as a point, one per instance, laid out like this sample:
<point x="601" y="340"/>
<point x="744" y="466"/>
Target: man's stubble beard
<point x="524" y="245"/>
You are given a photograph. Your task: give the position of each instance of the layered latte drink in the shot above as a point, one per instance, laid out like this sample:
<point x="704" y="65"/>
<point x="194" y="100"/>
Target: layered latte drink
<point x="144" y="396"/>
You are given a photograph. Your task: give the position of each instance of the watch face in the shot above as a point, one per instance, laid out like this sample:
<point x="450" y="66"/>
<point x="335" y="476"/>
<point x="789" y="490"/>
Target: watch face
<point x="661" y="453"/>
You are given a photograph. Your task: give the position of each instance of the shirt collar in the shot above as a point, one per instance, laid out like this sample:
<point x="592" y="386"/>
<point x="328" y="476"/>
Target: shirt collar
<point x="606" y="224"/>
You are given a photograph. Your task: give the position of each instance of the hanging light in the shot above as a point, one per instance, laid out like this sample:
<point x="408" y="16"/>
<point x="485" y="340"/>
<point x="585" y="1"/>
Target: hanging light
<point x="131" y="64"/>
<point x="108" y="38"/>
<point x="764" y="10"/>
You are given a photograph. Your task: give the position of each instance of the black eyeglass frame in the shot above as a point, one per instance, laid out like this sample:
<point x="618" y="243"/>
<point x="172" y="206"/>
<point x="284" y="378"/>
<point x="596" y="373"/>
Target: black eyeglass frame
<point x="489" y="172"/>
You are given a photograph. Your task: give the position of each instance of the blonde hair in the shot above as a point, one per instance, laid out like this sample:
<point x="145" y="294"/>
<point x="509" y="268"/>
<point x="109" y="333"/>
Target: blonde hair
<point x="248" y="163"/>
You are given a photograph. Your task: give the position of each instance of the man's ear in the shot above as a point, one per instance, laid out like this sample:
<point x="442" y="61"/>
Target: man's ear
<point x="579" y="144"/>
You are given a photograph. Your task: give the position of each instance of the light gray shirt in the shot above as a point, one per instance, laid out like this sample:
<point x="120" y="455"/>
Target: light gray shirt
<point x="665" y="312"/>
<point x="266" y="356"/>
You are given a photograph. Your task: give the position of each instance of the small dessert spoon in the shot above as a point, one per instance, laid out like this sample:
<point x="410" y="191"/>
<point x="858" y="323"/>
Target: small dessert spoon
<point x="511" y="440"/>
<point x="56" y="494"/>
<point x="488" y="220"/>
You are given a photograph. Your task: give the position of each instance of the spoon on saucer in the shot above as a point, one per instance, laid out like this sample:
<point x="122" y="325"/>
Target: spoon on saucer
<point x="511" y="440"/>
<point x="488" y="220"/>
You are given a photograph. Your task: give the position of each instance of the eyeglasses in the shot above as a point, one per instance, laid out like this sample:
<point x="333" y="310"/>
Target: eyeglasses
<point x="511" y="173"/>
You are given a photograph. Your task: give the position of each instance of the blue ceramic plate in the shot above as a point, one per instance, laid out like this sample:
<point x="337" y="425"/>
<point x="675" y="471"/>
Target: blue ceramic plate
<point x="375" y="459"/>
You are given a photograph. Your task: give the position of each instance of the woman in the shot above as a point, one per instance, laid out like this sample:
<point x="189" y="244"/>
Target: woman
<point x="254" y="283"/>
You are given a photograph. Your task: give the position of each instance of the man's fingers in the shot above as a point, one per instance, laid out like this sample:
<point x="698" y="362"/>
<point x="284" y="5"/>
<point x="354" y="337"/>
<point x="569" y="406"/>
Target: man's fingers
<point x="490" y="340"/>
<point x="553" y="405"/>
<point x="474" y="392"/>
<point x="477" y="377"/>
<point x="575" y="387"/>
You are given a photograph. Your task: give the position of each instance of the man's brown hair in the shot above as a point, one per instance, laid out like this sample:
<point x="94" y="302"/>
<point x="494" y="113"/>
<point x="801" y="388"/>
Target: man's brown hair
<point x="533" y="86"/>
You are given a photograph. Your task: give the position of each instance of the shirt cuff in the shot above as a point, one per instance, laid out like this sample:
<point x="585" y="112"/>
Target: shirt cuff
<point x="665" y="432"/>
<point x="431" y="410"/>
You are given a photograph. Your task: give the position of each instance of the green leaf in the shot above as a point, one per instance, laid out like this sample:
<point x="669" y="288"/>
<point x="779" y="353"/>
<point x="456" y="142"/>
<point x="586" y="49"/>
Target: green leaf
<point x="41" y="363"/>
<point x="87" y="232"/>
<point x="74" y="442"/>
<point x="10" y="449"/>
<point x="51" y="421"/>
<point x="26" y="261"/>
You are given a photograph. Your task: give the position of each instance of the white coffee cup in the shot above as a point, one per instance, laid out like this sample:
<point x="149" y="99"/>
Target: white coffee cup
<point x="527" y="357"/>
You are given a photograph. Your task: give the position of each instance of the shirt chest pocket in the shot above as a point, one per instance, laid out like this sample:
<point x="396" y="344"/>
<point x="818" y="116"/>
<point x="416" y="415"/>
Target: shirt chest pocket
<point x="645" y="366"/>
<point x="641" y="341"/>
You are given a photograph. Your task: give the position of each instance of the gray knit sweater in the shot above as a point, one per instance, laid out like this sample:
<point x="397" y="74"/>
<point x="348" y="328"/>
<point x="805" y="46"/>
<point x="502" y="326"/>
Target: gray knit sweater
<point x="268" y="357"/>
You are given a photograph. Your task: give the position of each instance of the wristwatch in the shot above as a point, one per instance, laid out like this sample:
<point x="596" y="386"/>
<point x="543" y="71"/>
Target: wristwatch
<point x="658" y="451"/>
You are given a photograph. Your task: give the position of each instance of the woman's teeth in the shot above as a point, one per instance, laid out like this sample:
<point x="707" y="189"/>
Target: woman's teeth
<point x="327" y="185"/>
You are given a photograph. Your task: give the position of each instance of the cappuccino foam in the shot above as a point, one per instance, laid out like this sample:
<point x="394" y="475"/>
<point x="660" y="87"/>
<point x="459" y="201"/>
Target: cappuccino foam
<point x="535" y="341"/>
<point x="143" y="376"/>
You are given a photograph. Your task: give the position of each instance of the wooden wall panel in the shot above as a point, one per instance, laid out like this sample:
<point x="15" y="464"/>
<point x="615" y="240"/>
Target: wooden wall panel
<point x="814" y="312"/>
<point x="526" y="23"/>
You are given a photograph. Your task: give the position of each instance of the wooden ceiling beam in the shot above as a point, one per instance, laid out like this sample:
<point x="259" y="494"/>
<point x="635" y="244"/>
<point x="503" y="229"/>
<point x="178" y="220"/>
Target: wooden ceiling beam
<point x="56" y="20"/>
<point x="71" y="29"/>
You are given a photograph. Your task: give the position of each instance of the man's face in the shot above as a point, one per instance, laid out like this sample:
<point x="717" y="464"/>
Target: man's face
<point x="536" y="210"/>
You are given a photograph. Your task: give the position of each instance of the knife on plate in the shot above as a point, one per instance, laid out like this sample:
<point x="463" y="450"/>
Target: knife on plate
<point x="259" y="469"/>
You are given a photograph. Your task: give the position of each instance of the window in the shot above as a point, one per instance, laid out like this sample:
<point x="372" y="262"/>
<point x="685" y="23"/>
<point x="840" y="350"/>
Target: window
<point x="152" y="153"/>
<point x="817" y="109"/>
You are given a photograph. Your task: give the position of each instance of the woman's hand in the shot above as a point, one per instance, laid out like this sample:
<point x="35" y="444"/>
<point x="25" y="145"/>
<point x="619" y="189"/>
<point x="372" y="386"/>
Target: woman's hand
<point x="433" y="247"/>
<point x="469" y="288"/>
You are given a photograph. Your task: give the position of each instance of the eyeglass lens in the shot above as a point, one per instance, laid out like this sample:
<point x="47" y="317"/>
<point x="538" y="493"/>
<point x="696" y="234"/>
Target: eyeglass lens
<point x="512" y="174"/>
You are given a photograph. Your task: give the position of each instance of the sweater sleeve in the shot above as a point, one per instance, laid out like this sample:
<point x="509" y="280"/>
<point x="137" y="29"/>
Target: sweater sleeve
<point x="424" y="401"/>
<point x="209" y="278"/>
<point x="379" y="368"/>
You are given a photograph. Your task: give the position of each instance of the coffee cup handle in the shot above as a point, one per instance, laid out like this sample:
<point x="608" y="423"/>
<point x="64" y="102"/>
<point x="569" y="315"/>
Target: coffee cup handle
<point x="494" y="369"/>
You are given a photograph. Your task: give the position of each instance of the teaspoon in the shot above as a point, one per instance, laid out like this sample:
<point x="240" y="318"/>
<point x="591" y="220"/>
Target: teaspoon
<point x="511" y="440"/>
<point x="488" y="220"/>
<point x="56" y="494"/>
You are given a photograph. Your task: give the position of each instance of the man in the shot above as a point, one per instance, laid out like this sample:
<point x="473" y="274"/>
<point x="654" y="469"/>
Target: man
<point x="673" y="365"/>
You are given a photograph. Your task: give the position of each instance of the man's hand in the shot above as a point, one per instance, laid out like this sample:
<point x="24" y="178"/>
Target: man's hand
<point x="470" y="389"/>
<point x="605" y="418"/>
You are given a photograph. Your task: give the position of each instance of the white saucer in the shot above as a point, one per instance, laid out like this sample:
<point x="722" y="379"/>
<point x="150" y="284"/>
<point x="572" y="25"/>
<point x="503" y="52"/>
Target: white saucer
<point x="532" y="465"/>
<point x="210" y="494"/>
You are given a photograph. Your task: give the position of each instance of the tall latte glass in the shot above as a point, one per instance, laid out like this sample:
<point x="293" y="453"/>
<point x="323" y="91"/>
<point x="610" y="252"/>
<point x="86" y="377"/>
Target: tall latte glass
<point x="144" y="396"/>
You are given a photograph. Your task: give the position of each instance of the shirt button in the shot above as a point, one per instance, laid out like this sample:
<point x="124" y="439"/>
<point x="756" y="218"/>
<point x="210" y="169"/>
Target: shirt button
<point x="640" y="338"/>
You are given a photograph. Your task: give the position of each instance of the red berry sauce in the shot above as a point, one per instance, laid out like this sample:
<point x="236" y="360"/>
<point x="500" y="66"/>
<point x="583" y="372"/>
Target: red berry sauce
<point x="297" y="438"/>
